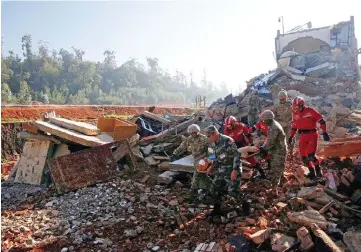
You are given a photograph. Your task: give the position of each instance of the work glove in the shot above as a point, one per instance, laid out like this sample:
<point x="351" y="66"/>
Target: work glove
<point x="326" y="137"/>
<point x="290" y="140"/>
<point x="262" y="152"/>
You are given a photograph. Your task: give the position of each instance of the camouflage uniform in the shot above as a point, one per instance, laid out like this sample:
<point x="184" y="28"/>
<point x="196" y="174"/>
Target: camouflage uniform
<point x="198" y="146"/>
<point x="276" y="146"/>
<point x="254" y="104"/>
<point x="283" y="115"/>
<point x="227" y="160"/>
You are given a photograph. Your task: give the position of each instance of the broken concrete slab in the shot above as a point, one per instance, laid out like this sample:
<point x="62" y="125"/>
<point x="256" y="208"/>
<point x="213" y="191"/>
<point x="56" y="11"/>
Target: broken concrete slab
<point x="161" y="158"/>
<point x="352" y="240"/>
<point x="83" y="168"/>
<point x="281" y="242"/>
<point x="147" y="149"/>
<point x="70" y="135"/>
<point x="184" y="164"/>
<point x="61" y="150"/>
<point x="30" y="167"/>
<point x="167" y="177"/>
<point x="40" y="137"/>
<point x="81" y="127"/>
<point x="309" y="217"/>
<point x="310" y="192"/>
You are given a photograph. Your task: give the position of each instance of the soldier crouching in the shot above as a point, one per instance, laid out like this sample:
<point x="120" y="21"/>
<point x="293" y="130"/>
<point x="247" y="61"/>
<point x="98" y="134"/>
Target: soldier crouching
<point x="226" y="170"/>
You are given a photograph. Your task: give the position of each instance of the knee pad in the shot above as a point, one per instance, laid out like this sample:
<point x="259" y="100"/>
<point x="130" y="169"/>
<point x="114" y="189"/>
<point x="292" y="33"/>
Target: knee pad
<point x="305" y="160"/>
<point x="312" y="157"/>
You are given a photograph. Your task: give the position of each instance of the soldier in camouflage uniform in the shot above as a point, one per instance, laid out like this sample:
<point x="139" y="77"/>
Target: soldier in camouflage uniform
<point x="198" y="145"/>
<point x="254" y="104"/>
<point x="226" y="169"/>
<point x="276" y="146"/>
<point x="283" y="112"/>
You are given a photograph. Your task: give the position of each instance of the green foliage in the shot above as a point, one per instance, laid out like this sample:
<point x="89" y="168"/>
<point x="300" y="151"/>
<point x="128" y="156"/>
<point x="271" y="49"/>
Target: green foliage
<point x="64" y="77"/>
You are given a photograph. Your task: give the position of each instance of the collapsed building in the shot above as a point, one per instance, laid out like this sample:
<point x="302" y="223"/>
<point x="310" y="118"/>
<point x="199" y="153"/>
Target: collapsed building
<point x="97" y="166"/>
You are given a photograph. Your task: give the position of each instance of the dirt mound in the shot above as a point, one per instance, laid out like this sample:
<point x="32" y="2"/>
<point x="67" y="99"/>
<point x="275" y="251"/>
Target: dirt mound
<point x="29" y="113"/>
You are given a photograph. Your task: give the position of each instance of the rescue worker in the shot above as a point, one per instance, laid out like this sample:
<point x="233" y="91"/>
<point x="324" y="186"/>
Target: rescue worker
<point x="262" y="129"/>
<point x="276" y="146"/>
<point x="226" y="169"/>
<point x="254" y="104"/>
<point x="198" y="145"/>
<point x="240" y="134"/>
<point x="283" y="111"/>
<point x="304" y="120"/>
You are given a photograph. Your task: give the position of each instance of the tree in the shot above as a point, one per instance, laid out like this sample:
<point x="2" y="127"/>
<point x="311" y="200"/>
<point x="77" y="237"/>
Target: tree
<point x="24" y="95"/>
<point x="6" y="94"/>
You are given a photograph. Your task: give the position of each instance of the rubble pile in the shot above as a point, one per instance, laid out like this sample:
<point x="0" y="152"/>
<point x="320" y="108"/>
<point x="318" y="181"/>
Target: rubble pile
<point x="112" y="186"/>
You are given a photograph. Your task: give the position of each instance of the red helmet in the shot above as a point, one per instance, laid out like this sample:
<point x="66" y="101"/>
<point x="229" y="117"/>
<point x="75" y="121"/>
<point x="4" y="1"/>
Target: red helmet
<point x="297" y="101"/>
<point x="230" y="121"/>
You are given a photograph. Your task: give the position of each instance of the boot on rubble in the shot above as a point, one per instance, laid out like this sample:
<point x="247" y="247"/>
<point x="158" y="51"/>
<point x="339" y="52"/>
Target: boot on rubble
<point x="261" y="171"/>
<point x="312" y="174"/>
<point x="246" y="208"/>
<point x="318" y="171"/>
<point x="216" y="210"/>
<point x="192" y="196"/>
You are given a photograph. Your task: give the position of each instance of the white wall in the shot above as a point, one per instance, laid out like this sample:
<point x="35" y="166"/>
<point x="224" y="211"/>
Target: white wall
<point x="321" y="33"/>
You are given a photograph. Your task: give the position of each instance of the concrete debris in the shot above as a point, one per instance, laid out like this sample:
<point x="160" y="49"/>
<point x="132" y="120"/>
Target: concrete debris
<point x="281" y="242"/>
<point x="309" y="217"/>
<point x="306" y="241"/>
<point x="327" y="241"/>
<point x="352" y="240"/>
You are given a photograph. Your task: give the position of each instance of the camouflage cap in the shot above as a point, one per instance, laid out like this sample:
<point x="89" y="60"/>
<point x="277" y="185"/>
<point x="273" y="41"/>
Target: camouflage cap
<point x="193" y="128"/>
<point x="282" y="94"/>
<point x="267" y="115"/>
<point x="210" y="129"/>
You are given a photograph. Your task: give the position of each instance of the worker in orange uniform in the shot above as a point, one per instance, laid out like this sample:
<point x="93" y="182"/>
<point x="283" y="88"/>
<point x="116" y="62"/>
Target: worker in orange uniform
<point x="241" y="136"/>
<point x="262" y="129"/>
<point x="304" y="120"/>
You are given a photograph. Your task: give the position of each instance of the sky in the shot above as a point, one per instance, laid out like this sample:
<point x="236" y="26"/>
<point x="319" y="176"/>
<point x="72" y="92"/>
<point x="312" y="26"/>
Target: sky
<point x="232" y="40"/>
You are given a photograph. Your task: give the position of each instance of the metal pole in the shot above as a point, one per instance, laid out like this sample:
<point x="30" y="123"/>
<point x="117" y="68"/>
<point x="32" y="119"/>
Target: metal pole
<point x="283" y="28"/>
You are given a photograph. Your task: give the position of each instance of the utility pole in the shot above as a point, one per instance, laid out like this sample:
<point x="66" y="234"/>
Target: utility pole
<point x="283" y="27"/>
<point x="205" y="79"/>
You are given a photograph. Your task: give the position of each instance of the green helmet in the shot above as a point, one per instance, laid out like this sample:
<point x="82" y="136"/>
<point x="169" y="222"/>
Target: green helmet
<point x="267" y="115"/>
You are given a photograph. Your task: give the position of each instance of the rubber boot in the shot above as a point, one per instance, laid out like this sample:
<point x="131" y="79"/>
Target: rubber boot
<point x="246" y="208"/>
<point x="216" y="210"/>
<point x="318" y="171"/>
<point x="260" y="170"/>
<point x="312" y="174"/>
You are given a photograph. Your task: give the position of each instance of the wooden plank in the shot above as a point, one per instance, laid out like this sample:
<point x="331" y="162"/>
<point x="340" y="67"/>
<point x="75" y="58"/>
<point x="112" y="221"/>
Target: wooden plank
<point x="31" y="165"/>
<point x="156" y="117"/>
<point x="81" y="127"/>
<point x="70" y="135"/>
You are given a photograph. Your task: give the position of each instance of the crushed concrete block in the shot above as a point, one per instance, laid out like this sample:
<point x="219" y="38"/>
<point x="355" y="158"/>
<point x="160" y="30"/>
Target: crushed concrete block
<point x="147" y="149"/>
<point x="281" y="242"/>
<point x="164" y="166"/>
<point x="352" y="240"/>
<point x="309" y="217"/>
<point x="151" y="161"/>
<point x="304" y="236"/>
<point x="310" y="192"/>
<point x="30" y="167"/>
<point x="261" y="236"/>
